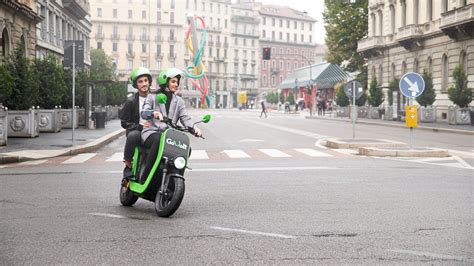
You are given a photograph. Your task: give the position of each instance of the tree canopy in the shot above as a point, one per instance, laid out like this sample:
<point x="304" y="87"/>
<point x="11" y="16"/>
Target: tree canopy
<point x="346" y="22"/>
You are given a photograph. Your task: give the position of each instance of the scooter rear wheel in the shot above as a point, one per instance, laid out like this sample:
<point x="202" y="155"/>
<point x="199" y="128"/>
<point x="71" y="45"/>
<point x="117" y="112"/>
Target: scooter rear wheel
<point x="167" y="203"/>
<point x="127" y="198"/>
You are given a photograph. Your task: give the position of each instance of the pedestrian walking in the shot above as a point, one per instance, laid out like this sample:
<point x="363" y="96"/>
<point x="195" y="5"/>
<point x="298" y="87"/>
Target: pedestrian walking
<point x="264" y="109"/>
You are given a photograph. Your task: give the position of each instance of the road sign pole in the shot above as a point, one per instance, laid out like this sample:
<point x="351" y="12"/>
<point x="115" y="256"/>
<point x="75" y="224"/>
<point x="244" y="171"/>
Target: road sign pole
<point x="410" y="100"/>
<point x="353" y="109"/>
<point x="73" y="89"/>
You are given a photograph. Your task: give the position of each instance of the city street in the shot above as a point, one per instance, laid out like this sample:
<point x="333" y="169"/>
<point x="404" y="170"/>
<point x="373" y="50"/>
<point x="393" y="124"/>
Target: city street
<point x="260" y="191"/>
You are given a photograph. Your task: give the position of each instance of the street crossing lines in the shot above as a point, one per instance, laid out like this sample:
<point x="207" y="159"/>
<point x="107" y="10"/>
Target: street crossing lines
<point x="80" y="158"/>
<point x="35" y="162"/>
<point x="116" y="157"/>
<point x="236" y="154"/>
<point x="199" y="155"/>
<point x="274" y="153"/>
<point x="313" y="153"/>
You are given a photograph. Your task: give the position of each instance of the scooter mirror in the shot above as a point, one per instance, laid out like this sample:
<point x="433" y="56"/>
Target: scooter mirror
<point x="206" y="118"/>
<point x="161" y="98"/>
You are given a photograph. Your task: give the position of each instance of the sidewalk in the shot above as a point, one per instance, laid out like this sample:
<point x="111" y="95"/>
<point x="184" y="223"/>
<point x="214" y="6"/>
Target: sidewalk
<point x="56" y="144"/>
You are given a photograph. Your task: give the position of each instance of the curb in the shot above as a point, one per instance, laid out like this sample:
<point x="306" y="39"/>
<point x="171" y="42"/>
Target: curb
<point x="88" y="147"/>
<point x="434" y="129"/>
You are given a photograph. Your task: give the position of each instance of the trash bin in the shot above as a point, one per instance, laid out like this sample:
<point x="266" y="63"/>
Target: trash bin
<point x="100" y="119"/>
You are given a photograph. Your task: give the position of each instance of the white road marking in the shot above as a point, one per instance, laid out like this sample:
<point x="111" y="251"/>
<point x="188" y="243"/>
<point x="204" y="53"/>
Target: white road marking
<point x="433" y="159"/>
<point x="274" y="153"/>
<point x="236" y="154"/>
<point x="251" y="140"/>
<point x="313" y="153"/>
<point x="107" y="215"/>
<point x="461" y="161"/>
<point x="34" y="162"/>
<point x="427" y="254"/>
<point x="311" y="168"/>
<point x="199" y="154"/>
<point x="116" y="157"/>
<point x="319" y="143"/>
<point x="253" y="232"/>
<point x="80" y="158"/>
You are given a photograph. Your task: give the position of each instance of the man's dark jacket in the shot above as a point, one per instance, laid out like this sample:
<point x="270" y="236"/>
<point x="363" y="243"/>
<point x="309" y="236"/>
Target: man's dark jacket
<point x="129" y="114"/>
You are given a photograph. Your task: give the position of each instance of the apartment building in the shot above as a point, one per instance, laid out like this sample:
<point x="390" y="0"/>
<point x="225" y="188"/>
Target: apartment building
<point x="18" y="21"/>
<point x="418" y="35"/>
<point x="289" y="34"/>
<point x="151" y="33"/>
<point x="64" y="20"/>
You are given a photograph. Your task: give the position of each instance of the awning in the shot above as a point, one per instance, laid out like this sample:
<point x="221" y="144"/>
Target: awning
<point x="324" y="75"/>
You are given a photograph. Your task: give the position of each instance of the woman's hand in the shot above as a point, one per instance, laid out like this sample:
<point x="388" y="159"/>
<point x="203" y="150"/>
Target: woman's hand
<point x="158" y="115"/>
<point x="147" y="124"/>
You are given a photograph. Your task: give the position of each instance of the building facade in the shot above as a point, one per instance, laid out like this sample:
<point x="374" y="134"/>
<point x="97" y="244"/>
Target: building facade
<point x="63" y="20"/>
<point x="18" y="21"/>
<point x="420" y="35"/>
<point x="151" y="33"/>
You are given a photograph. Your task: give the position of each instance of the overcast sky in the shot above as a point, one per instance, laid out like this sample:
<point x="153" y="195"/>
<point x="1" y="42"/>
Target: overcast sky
<point x="315" y="9"/>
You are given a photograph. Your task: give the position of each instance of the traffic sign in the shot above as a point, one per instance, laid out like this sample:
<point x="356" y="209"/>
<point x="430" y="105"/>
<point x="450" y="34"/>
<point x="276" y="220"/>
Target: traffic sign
<point x="348" y="89"/>
<point x="411" y="116"/>
<point x="412" y="84"/>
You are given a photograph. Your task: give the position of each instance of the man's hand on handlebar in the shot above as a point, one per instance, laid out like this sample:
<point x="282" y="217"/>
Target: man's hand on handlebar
<point x="195" y="131"/>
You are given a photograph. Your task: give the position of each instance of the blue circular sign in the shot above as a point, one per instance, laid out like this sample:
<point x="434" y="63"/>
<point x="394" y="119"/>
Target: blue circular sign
<point x="412" y="84"/>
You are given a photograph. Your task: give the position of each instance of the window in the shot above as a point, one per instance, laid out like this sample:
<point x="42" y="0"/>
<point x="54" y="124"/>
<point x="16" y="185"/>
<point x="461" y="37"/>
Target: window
<point x="280" y="36"/>
<point x="295" y="25"/>
<point x="99" y="12"/>
<point x="444" y="74"/>
<point x="445" y="5"/>
<point x="287" y="24"/>
<point x="158" y="3"/>
<point x="380" y="78"/>
<point x="372" y="18"/>
<point x="172" y="50"/>
<point x="273" y="22"/>
<point x="263" y="34"/>
<point x="463" y="60"/>
<point x="415" y="66"/>
<point x="415" y="11"/>
<point x="281" y="23"/>
<point x="114" y="12"/>
<point x="264" y="80"/>
<point x="143" y="47"/>
<point x="264" y="20"/>
<point x="158" y="16"/>
<point x="429" y="65"/>
<point x="99" y="45"/>
<point x="173" y="4"/>
<point x="392" y="19"/>
<point x="143" y="14"/>
<point x="288" y="36"/>
<point x="404" y="13"/>
<point x="302" y="25"/>
<point x="130" y="14"/>
<point x="114" y="47"/>
<point x="380" y="23"/>
<point x="129" y="64"/>
<point x="429" y="10"/>
<point x="302" y="37"/>
<point x="158" y="49"/>
<point x="171" y="17"/>
<point x="144" y="63"/>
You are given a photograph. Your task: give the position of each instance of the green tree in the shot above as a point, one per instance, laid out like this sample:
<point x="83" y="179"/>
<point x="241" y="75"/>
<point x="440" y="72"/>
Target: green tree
<point x="6" y="83"/>
<point x="460" y="94"/>
<point x="82" y="75"/>
<point x="393" y="86"/>
<point x="429" y="95"/>
<point x="345" y="23"/>
<point x="52" y="82"/>
<point x="375" y="97"/>
<point x="341" y="98"/>
<point x="24" y="93"/>
<point x="113" y="93"/>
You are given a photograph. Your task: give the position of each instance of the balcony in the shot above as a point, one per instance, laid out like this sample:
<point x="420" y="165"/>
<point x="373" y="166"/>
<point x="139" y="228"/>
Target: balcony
<point x="458" y="23"/>
<point x="218" y="44"/>
<point x="130" y="54"/>
<point x="410" y="36"/>
<point x="226" y="45"/>
<point x="115" y="36"/>
<point x="144" y="38"/>
<point x="172" y="39"/>
<point x="371" y="46"/>
<point x="210" y="43"/>
<point x="99" y="36"/>
<point x="79" y="8"/>
<point x="130" y="37"/>
<point x="171" y="56"/>
<point x="159" y="56"/>
<point x="274" y="70"/>
<point x="158" y="38"/>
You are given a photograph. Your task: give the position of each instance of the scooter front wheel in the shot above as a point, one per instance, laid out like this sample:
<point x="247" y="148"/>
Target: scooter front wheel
<point x="127" y="198"/>
<point x="168" y="202"/>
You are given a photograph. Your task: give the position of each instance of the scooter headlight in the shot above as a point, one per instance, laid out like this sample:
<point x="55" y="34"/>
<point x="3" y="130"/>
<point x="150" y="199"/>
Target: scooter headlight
<point x="179" y="163"/>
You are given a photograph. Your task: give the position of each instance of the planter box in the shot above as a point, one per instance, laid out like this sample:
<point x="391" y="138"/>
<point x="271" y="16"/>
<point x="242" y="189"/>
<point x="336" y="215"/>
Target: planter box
<point x="66" y="118"/>
<point x="3" y="126"/>
<point x="459" y="116"/>
<point x="49" y="120"/>
<point x="427" y="114"/>
<point x="388" y="113"/>
<point x="23" y="124"/>
<point x="115" y="110"/>
<point x="342" y="111"/>
<point x="373" y="113"/>
<point x="362" y="111"/>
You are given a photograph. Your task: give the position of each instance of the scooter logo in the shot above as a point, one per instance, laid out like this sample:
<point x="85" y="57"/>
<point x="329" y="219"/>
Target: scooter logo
<point x="177" y="144"/>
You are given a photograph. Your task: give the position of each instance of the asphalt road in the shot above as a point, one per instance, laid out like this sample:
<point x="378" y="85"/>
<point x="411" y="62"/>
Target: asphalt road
<point x="332" y="207"/>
